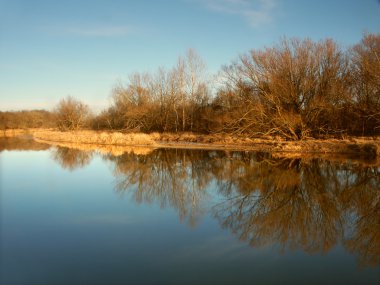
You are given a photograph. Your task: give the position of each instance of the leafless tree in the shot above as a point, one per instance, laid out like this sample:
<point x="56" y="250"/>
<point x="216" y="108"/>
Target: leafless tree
<point x="365" y="70"/>
<point x="295" y="89"/>
<point x="283" y="90"/>
<point x="71" y="114"/>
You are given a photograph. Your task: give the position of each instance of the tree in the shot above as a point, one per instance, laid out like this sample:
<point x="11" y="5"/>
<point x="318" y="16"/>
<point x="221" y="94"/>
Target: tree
<point x="365" y="70"/>
<point x="26" y="119"/>
<point x="167" y="100"/>
<point x="71" y="114"/>
<point x="132" y="106"/>
<point x="286" y="90"/>
<point x="191" y="86"/>
<point x="197" y="91"/>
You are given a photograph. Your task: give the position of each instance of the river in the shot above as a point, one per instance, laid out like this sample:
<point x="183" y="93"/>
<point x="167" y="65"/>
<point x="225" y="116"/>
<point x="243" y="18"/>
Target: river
<point x="176" y="216"/>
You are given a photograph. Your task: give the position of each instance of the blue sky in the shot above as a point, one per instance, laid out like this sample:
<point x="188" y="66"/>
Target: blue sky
<point x="52" y="48"/>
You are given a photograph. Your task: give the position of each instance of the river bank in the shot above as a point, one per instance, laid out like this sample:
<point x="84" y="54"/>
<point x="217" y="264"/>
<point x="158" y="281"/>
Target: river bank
<point x="358" y="146"/>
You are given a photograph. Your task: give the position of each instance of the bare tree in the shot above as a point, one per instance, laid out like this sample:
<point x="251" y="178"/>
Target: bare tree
<point x="168" y="100"/>
<point x="179" y="77"/>
<point x="71" y="114"/>
<point x="196" y="88"/>
<point x="365" y="69"/>
<point x="278" y="88"/>
<point x="26" y="119"/>
<point x="295" y="89"/>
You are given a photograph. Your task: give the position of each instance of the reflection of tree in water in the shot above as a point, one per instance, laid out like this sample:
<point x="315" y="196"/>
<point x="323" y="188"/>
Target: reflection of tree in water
<point x="281" y="202"/>
<point x="176" y="178"/>
<point x="303" y="204"/>
<point x="294" y="203"/>
<point x="362" y="201"/>
<point x="71" y="158"/>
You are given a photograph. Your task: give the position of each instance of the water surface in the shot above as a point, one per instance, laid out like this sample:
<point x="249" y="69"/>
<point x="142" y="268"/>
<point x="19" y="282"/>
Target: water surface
<point x="185" y="217"/>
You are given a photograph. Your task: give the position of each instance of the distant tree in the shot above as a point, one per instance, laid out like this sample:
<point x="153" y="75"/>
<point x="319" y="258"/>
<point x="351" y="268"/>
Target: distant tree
<point x="71" y="114"/>
<point x="26" y="119"/>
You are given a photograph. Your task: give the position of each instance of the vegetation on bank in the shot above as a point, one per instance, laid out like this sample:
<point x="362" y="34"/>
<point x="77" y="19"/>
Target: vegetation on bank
<point x="294" y="90"/>
<point x="93" y="137"/>
<point x="26" y="120"/>
<point x="85" y="140"/>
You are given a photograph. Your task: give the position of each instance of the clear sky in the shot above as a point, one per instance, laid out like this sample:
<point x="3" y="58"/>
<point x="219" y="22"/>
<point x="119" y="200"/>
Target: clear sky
<point x="53" y="48"/>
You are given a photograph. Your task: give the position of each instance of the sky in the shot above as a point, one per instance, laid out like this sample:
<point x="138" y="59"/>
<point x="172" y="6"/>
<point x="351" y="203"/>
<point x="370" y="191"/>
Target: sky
<point x="50" y="49"/>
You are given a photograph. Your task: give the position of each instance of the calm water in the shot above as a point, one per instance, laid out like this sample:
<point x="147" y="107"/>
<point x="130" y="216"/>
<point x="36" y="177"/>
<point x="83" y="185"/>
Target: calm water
<point x="185" y="217"/>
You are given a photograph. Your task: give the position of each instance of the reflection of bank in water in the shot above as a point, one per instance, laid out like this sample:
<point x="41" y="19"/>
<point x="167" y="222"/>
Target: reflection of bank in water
<point x="24" y="142"/>
<point x="115" y="150"/>
<point x="332" y="157"/>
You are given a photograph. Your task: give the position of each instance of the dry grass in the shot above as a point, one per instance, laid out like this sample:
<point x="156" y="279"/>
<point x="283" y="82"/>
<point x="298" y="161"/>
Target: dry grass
<point x="99" y="138"/>
<point x="359" y="146"/>
<point x="220" y="139"/>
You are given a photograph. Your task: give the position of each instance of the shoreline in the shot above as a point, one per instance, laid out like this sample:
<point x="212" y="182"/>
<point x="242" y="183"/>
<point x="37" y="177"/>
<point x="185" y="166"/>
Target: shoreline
<point x="354" y="146"/>
<point x="367" y="147"/>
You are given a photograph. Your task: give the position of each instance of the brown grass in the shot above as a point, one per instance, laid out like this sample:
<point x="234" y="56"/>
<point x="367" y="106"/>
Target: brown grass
<point x="358" y="146"/>
<point x="93" y="137"/>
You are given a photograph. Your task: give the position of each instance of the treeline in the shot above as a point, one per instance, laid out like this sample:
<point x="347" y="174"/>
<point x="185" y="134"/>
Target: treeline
<point x="303" y="88"/>
<point x="27" y="119"/>
<point x="171" y="100"/>
<point x="295" y="89"/>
